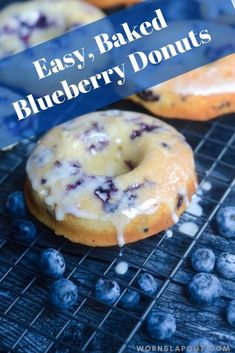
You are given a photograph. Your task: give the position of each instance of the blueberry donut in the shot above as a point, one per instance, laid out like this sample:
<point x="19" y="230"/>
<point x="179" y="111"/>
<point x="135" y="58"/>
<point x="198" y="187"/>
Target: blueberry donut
<point x="25" y="24"/>
<point x="201" y="94"/>
<point x="110" y="177"/>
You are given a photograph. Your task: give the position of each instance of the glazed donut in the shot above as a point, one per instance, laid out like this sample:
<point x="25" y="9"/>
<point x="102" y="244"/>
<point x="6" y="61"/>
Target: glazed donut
<point x="25" y="24"/>
<point x="201" y="94"/>
<point x="110" y="177"/>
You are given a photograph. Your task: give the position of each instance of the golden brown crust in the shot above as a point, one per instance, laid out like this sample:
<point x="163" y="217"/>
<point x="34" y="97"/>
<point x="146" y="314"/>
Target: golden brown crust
<point x="174" y="102"/>
<point x="102" y="233"/>
<point x="199" y="108"/>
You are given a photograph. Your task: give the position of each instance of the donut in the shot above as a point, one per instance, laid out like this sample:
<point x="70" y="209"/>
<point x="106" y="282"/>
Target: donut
<point x="110" y="177"/>
<point x="25" y="24"/>
<point x="201" y="94"/>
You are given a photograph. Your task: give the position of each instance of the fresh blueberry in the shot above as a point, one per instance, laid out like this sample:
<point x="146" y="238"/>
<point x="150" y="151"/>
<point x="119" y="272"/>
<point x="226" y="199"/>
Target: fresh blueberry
<point x="203" y="260"/>
<point x="52" y="263"/>
<point x="147" y="283"/>
<point x="107" y="291"/>
<point x="15" y="204"/>
<point x="225" y="265"/>
<point x="201" y="344"/>
<point x="149" y="96"/>
<point x="230" y="313"/>
<point x="23" y="230"/>
<point x="204" y="288"/>
<point x="129" y="299"/>
<point x="226" y="221"/>
<point x="160" y="325"/>
<point x="63" y="293"/>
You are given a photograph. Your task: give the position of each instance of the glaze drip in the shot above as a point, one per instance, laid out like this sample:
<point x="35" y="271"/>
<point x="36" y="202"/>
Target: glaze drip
<point x="149" y="96"/>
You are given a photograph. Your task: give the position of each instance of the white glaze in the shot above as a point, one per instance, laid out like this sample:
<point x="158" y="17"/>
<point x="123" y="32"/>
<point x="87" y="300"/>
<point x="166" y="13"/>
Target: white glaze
<point x="72" y="179"/>
<point x="195" y="208"/>
<point x="206" y="185"/>
<point x="169" y="233"/>
<point x="213" y="79"/>
<point x="189" y="228"/>
<point x="175" y="218"/>
<point x="58" y="18"/>
<point x="121" y="268"/>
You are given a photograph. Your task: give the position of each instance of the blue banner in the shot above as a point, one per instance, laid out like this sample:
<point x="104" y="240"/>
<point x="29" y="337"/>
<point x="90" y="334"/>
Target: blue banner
<point x="110" y="59"/>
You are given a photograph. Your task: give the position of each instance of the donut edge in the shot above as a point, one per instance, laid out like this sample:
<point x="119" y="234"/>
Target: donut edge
<point x="101" y="233"/>
<point x="198" y="108"/>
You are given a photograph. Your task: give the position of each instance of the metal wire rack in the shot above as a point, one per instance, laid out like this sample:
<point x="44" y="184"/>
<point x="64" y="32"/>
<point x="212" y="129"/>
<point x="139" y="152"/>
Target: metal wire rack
<point x="29" y="325"/>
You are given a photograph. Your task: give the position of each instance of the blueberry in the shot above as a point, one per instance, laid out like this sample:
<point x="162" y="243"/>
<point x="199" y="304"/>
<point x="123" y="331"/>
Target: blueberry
<point x="52" y="263"/>
<point x="203" y="260"/>
<point x="147" y="283"/>
<point x="143" y="128"/>
<point x="107" y="291"/>
<point x="225" y="265"/>
<point x="201" y="344"/>
<point x="230" y="313"/>
<point x="23" y="230"/>
<point x="15" y="204"/>
<point x="204" y="288"/>
<point x="129" y="299"/>
<point x="160" y="325"/>
<point x="149" y="96"/>
<point x="226" y="222"/>
<point x="63" y="293"/>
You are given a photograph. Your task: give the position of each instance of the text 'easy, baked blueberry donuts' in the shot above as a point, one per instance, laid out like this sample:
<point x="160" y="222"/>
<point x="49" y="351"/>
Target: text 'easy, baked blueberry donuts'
<point x="110" y="177"/>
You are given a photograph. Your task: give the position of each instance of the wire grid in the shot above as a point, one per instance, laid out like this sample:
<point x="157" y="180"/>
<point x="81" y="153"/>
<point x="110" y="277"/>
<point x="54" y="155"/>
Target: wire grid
<point x="28" y="324"/>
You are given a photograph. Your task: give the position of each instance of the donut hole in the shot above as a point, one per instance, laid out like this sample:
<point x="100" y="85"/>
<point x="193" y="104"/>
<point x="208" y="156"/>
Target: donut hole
<point x="115" y="160"/>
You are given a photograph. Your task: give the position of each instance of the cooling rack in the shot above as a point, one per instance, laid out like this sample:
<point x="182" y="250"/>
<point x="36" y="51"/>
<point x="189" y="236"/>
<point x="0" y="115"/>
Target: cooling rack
<point x="29" y="325"/>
